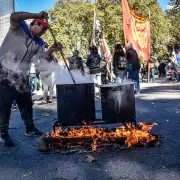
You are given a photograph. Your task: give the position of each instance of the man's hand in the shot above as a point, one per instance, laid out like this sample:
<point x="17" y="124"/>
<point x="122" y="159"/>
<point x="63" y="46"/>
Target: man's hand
<point x="83" y="73"/>
<point x="42" y="15"/>
<point x="56" y="46"/>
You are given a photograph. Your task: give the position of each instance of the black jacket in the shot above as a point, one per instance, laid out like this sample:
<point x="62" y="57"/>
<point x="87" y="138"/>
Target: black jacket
<point x="132" y="58"/>
<point x="93" y="63"/>
<point x="76" y="62"/>
<point x="119" y="63"/>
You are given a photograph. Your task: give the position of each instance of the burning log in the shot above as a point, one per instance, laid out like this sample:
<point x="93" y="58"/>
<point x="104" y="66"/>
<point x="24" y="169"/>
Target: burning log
<point x="96" y="137"/>
<point x="42" y="145"/>
<point x="45" y="143"/>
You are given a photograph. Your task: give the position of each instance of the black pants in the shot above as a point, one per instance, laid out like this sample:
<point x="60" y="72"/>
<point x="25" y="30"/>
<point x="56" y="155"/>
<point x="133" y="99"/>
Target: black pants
<point x="24" y="101"/>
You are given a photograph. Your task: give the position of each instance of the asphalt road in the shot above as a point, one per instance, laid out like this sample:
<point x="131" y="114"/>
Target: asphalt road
<point x="158" y="103"/>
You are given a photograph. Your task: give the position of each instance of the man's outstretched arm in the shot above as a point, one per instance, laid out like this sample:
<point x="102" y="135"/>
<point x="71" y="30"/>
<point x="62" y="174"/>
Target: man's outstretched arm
<point x="17" y="17"/>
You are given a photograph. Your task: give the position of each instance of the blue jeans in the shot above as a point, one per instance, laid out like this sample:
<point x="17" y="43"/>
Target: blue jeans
<point x="119" y="79"/>
<point x="152" y="74"/>
<point x="134" y="75"/>
<point x="33" y="81"/>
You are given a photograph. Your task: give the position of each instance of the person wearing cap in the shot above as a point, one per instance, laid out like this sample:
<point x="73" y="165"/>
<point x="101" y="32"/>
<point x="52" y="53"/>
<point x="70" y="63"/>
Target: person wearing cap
<point x="21" y="46"/>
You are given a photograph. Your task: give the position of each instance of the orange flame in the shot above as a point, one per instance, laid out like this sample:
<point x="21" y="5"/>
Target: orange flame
<point x="131" y="133"/>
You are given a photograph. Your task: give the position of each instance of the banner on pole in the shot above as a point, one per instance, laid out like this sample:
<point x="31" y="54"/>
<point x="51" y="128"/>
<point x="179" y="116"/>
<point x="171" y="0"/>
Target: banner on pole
<point x="102" y="45"/>
<point x="136" y="31"/>
<point x="107" y="53"/>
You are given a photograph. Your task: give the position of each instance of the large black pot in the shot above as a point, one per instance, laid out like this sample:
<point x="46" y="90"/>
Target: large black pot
<point x="118" y="103"/>
<point x="75" y="103"/>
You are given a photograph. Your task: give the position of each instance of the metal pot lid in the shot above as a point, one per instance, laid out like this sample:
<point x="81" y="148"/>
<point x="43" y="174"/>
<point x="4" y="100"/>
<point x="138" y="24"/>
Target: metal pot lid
<point x="61" y="84"/>
<point x="117" y="84"/>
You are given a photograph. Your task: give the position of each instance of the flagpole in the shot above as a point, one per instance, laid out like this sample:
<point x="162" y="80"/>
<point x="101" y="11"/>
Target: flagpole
<point x="94" y="32"/>
<point x="94" y="28"/>
<point x="14" y="5"/>
<point x="149" y="11"/>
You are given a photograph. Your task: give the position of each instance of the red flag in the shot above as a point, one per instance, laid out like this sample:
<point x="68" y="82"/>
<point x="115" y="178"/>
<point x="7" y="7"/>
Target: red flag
<point x="136" y="31"/>
<point x="107" y="53"/>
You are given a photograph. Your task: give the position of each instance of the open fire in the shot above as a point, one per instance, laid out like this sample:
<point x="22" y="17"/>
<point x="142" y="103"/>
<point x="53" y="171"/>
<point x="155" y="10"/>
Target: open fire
<point x="130" y="135"/>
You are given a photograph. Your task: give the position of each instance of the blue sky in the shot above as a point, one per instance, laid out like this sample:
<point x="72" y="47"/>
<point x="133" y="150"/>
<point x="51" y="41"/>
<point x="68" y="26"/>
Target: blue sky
<point x="33" y="6"/>
<point x="163" y="3"/>
<point x="39" y="5"/>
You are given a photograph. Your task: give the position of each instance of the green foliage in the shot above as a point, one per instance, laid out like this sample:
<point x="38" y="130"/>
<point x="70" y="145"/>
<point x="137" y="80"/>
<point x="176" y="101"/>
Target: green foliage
<point x="110" y="16"/>
<point x="72" y="22"/>
<point x="174" y="14"/>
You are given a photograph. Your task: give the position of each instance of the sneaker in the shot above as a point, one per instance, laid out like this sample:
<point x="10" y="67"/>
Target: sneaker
<point x="40" y="99"/>
<point x="32" y="131"/>
<point x="42" y="103"/>
<point x="5" y="139"/>
<point x="14" y="108"/>
<point x="138" y="92"/>
<point x="50" y="101"/>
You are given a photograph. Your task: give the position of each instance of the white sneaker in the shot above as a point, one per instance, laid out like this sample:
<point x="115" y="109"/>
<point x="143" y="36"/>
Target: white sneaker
<point x="39" y="93"/>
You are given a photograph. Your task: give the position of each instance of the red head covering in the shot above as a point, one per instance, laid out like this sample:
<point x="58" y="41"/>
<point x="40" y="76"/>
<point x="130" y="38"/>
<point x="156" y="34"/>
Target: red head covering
<point x="44" y="23"/>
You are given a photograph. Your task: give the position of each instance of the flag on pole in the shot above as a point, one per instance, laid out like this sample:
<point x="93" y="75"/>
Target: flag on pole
<point x="96" y="28"/>
<point x="97" y="34"/>
<point x="107" y="53"/>
<point x="99" y="40"/>
<point x="136" y="31"/>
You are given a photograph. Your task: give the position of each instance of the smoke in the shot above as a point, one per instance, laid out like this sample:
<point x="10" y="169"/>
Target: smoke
<point x="62" y="76"/>
<point x="12" y="74"/>
<point x="15" y="79"/>
<point x="16" y="73"/>
<point x="128" y="81"/>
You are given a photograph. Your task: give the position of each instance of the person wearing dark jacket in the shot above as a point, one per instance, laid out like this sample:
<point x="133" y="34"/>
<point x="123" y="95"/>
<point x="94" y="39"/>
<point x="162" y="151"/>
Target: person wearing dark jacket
<point x="76" y="62"/>
<point x="151" y="63"/>
<point x="119" y="63"/>
<point x="93" y="63"/>
<point x="133" y="65"/>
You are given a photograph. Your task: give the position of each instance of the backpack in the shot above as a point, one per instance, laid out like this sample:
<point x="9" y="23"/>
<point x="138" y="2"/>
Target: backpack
<point x="121" y="62"/>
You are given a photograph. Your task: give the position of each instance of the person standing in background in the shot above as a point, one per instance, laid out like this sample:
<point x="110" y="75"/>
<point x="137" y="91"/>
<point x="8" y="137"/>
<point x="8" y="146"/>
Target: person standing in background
<point x="133" y="66"/>
<point x="178" y="57"/>
<point x="46" y="71"/>
<point x="76" y="62"/>
<point x="93" y="63"/>
<point x="152" y="69"/>
<point x="119" y="63"/>
<point x="33" y="78"/>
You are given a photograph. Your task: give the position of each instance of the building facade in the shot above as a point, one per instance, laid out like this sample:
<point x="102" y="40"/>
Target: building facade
<point x="6" y="8"/>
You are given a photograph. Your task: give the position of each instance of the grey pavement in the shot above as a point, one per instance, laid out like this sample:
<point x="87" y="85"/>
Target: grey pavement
<point x="158" y="103"/>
